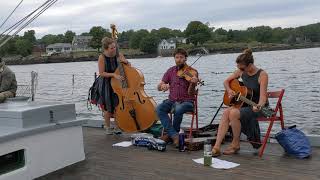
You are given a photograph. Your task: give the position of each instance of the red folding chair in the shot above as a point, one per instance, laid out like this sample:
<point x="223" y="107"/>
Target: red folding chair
<point x="194" y="115"/>
<point x="277" y="116"/>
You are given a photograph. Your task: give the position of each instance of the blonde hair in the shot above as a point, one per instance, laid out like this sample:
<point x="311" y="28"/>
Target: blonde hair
<point x="106" y="41"/>
<point x="245" y="58"/>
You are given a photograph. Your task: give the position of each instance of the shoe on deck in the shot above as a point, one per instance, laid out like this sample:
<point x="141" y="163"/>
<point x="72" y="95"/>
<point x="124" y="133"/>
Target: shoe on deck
<point x="108" y="131"/>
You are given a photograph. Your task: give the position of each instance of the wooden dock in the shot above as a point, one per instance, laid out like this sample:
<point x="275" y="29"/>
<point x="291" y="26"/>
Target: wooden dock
<point x="106" y="162"/>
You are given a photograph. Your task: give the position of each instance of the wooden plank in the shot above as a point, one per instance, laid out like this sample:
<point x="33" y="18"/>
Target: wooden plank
<point x="106" y="162"/>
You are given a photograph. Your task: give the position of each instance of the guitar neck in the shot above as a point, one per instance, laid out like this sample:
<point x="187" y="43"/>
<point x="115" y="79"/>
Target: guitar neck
<point x="244" y="99"/>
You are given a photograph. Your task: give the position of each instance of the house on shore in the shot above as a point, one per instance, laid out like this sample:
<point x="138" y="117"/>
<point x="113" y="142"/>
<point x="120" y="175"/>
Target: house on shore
<point x="58" y="48"/>
<point x="167" y="46"/>
<point x="82" y="43"/>
<point x="38" y="50"/>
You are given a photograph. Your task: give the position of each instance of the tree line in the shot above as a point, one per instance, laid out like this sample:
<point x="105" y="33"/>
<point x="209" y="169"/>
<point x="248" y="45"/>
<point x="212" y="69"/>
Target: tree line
<point x="197" y="33"/>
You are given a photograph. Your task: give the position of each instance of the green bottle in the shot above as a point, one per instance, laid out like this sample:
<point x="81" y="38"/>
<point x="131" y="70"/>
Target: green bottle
<point x="207" y="154"/>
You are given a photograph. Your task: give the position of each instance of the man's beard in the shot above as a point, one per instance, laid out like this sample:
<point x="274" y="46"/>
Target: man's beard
<point x="180" y="66"/>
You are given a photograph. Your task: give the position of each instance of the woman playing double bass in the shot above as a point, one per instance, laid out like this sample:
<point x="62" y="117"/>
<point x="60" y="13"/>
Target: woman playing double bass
<point x="107" y="64"/>
<point x="243" y="119"/>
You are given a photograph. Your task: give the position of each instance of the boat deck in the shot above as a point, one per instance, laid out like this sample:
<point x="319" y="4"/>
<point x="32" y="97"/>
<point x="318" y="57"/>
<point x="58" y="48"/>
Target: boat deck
<point x="106" y="162"/>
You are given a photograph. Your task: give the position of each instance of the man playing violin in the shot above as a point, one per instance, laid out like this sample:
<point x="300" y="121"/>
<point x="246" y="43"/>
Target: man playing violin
<point x="181" y="96"/>
<point x="243" y="119"/>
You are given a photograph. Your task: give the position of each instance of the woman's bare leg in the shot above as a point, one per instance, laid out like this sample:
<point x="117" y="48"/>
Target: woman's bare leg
<point x="223" y="128"/>
<point x="234" y="117"/>
<point x="106" y="116"/>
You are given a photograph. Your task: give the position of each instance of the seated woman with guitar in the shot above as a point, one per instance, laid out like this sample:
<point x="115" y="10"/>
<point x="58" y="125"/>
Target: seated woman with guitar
<point x="242" y="118"/>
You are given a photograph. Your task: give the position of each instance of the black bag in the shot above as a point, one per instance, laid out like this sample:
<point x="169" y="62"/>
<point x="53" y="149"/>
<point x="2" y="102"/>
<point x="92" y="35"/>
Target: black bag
<point x="93" y="94"/>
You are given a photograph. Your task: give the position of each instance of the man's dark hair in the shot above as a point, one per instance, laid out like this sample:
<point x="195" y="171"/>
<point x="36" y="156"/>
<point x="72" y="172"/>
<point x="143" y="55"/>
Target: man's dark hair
<point x="180" y="51"/>
<point x="0" y="59"/>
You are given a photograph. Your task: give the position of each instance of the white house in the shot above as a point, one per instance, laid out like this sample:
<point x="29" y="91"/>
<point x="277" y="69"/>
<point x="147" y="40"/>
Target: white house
<point x="58" y="48"/>
<point x="181" y="40"/>
<point x="81" y="43"/>
<point x="166" y="46"/>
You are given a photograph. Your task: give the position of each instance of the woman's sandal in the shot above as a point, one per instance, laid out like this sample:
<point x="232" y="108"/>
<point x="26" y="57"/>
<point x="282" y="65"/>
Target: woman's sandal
<point x="215" y="152"/>
<point x="231" y="150"/>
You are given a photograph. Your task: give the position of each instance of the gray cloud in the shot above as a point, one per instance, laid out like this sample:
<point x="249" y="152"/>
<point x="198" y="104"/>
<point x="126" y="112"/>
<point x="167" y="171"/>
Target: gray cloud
<point x="81" y="15"/>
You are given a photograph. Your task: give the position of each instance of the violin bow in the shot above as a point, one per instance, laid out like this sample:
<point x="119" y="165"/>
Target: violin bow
<point x="205" y="52"/>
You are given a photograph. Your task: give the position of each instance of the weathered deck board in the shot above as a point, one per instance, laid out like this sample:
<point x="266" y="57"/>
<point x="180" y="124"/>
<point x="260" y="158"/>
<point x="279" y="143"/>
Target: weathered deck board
<point x="106" y="162"/>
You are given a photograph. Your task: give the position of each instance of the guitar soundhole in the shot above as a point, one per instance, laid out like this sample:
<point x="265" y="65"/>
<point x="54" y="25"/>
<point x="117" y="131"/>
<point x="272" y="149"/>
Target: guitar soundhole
<point x="233" y="101"/>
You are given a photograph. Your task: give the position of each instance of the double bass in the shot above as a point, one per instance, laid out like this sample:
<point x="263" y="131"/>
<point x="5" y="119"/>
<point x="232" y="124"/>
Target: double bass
<point x="135" y="111"/>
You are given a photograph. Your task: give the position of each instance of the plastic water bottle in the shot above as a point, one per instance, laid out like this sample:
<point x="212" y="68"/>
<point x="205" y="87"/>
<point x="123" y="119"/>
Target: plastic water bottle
<point x="207" y="154"/>
<point x="181" y="141"/>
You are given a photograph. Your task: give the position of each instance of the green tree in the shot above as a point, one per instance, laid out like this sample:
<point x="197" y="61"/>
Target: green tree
<point x="51" y="39"/>
<point x="68" y="36"/>
<point x="125" y="35"/>
<point x="278" y="35"/>
<point x="177" y="33"/>
<point x="30" y="36"/>
<point x="165" y="33"/>
<point x="60" y="38"/>
<point x="230" y="35"/>
<point x="219" y="35"/>
<point x="149" y="44"/>
<point x="260" y="33"/>
<point x="221" y="31"/>
<point x="136" y="38"/>
<point x="197" y="32"/>
<point x="85" y="34"/>
<point x="9" y="48"/>
<point x="97" y="33"/>
<point x="23" y="46"/>
<point x="310" y="32"/>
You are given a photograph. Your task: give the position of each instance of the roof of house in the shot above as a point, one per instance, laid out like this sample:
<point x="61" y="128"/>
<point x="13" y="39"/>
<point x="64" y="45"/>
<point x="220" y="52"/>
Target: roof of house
<point x="59" y="45"/>
<point x="173" y="40"/>
<point x="79" y="37"/>
<point x="180" y="38"/>
<point x="81" y="42"/>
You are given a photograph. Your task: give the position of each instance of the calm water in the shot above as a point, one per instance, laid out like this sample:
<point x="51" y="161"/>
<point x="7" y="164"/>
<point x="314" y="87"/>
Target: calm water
<point x="297" y="71"/>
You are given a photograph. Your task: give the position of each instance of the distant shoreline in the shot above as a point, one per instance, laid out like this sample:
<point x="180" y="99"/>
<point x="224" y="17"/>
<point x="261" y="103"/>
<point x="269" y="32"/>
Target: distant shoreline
<point x="261" y="47"/>
<point x="18" y="60"/>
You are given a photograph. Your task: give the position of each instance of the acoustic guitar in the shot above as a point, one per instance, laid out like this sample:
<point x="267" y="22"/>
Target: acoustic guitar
<point x="243" y="95"/>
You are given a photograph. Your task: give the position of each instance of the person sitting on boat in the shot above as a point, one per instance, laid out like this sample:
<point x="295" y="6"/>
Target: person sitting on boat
<point x="243" y="119"/>
<point x="181" y="97"/>
<point x="107" y="64"/>
<point x="8" y="82"/>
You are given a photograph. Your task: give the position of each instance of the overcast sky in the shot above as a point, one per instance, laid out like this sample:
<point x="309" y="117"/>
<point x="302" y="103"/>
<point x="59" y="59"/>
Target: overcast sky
<point x="80" y="15"/>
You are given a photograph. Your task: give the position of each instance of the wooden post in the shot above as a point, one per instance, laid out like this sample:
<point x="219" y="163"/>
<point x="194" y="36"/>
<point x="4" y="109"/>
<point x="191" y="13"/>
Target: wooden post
<point x="33" y="75"/>
<point x="72" y="80"/>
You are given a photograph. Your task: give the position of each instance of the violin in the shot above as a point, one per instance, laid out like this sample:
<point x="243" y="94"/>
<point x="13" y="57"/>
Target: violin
<point x="187" y="72"/>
